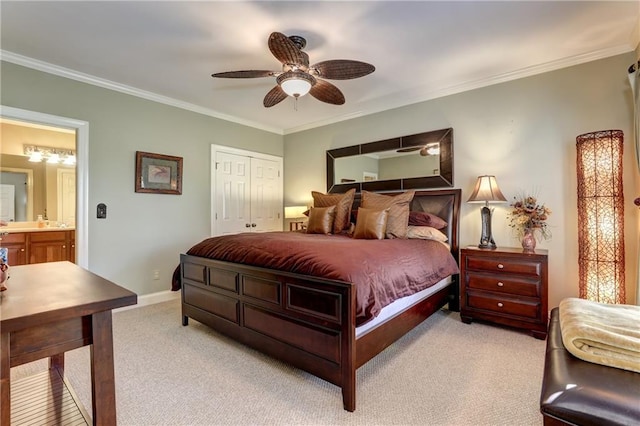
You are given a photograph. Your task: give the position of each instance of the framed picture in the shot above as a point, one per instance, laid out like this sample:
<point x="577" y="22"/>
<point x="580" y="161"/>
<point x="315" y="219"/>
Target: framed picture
<point x="369" y="176"/>
<point x="157" y="173"/>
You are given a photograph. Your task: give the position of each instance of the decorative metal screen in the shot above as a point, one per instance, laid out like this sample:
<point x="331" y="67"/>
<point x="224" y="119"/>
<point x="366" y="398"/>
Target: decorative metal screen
<point x="601" y="216"/>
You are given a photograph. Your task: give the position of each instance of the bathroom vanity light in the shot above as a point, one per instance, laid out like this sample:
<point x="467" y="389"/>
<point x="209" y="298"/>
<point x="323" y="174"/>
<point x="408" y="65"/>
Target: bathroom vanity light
<point x="50" y="154"/>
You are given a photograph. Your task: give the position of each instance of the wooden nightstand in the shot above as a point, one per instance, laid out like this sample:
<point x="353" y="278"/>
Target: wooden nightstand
<point x="296" y="225"/>
<point x="505" y="286"/>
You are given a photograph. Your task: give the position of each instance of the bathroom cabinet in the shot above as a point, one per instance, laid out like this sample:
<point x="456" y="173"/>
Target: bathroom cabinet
<point x="39" y="246"/>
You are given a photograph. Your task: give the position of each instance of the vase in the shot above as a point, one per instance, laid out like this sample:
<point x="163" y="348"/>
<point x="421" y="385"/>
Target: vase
<point x="4" y="268"/>
<point x="528" y="241"/>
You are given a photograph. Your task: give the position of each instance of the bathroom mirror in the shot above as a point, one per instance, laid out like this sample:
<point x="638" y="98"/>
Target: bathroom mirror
<point x="29" y="189"/>
<point x="419" y="161"/>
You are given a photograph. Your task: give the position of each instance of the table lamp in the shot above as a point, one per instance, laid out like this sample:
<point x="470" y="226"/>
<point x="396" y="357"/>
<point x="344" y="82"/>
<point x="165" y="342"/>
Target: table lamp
<point x="296" y="215"/>
<point x="487" y="191"/>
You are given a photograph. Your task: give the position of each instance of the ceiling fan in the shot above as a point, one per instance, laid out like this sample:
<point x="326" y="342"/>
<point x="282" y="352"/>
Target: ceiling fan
<point x="297" y="77"/>
<point x="425" y="150"/>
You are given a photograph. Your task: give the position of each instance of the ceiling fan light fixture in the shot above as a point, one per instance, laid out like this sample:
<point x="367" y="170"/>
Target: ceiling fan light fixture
<point x="432" y="149"/>
<point x="296" y="83"/>
<point x="298" y="77"/>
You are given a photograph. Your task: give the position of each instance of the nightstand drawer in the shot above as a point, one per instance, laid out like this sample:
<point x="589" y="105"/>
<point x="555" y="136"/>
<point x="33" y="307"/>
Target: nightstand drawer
<point x="512" y="266"/>
<point x="508" y="284"/>
<point x="504" y="306"/>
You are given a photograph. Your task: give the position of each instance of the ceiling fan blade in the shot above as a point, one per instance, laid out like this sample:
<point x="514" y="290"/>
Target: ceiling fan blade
<point x="409" y="149"/>
<point x="275" y="96"/>
<point x="327" y="92"/>
<point x="245" y="74"/>
<point x="286" y="50"/>
<point x="341" y="69"/>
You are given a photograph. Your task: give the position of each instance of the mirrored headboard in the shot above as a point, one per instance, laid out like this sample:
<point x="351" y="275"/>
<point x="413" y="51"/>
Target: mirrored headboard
<point x="420" y="161"/>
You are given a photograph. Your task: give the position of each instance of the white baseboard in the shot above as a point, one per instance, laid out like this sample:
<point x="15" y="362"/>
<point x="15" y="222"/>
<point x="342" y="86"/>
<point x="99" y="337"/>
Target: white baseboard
<point x="152" y="298"/>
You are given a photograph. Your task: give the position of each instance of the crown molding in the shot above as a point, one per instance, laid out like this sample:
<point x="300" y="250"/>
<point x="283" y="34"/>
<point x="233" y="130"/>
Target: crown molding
<point x="373" y="107"/>
<point x="129" y="90"/>
<point x="390" y="102"/>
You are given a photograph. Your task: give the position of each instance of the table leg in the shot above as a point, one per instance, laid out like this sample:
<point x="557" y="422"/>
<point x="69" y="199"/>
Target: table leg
<point x="5" y="380"/>
<point x="103" y="387"/>
<point x="56" y="362"/>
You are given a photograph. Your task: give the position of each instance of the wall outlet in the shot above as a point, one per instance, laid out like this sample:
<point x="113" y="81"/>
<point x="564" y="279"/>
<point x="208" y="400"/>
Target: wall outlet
<point x="156" y="274"/>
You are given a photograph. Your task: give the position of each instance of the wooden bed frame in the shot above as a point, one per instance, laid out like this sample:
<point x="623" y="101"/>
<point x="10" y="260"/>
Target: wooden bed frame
<point x="306" y="321"/>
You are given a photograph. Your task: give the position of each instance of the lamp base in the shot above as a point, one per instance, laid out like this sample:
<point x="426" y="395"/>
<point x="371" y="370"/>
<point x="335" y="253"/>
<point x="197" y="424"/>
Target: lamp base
<point x="490" y="246"/>
<point x="486" y="239"/>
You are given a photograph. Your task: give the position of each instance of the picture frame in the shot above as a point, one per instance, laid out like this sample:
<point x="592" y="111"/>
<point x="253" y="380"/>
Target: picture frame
<point x="158" y="173"/>
<point x="369" y="176"/>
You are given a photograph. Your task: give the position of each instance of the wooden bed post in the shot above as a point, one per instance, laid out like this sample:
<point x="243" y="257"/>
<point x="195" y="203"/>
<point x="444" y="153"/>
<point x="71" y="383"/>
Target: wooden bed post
<point x="349" y="352"/>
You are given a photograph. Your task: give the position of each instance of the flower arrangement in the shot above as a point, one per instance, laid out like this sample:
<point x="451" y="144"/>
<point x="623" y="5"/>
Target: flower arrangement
<point x="4" y="266"/>
<point x="528" y="214"/>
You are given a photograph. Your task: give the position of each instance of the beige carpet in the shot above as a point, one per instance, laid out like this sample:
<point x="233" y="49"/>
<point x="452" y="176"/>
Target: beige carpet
<point x="442" y="373"/>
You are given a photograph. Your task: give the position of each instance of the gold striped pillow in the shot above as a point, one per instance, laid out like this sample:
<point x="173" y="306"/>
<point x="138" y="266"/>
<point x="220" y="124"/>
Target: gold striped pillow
<point x="371" y="224"/>
<point x="398" y="206"/>
<point x="321" y="220"/>
<point x="343" y="203"/>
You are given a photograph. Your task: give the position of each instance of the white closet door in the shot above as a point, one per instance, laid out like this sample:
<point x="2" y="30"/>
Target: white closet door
<point x="266" y="198"/>
<point x="232" y="192"/>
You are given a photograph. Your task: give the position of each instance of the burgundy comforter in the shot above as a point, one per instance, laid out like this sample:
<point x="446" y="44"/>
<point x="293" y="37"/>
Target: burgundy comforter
<point x="382" y="270"/>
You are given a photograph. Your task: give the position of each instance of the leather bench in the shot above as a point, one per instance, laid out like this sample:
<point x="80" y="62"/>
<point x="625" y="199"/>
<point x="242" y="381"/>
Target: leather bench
<point x="577" y="392"/>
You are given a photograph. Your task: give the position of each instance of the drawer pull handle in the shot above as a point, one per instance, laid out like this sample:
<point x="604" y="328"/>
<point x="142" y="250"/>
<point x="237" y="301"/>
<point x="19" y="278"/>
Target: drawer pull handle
<point x="500" y="304"/>
<point x="500" y="284"/>
<point x="500" y="266"/>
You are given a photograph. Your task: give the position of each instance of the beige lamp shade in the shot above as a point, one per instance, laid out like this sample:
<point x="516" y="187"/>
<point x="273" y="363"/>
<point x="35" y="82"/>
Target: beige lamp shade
<point x="486" y="191"/>
<point x="294" y="212"/>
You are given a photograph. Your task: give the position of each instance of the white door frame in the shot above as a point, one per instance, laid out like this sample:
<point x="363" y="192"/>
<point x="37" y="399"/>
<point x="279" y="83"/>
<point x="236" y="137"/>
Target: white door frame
<point x="82" y="169"/>
<point x="221" y="148"/>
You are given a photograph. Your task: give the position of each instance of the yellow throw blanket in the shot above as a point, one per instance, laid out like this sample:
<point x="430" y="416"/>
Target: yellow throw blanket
<point x="601" y="333"/>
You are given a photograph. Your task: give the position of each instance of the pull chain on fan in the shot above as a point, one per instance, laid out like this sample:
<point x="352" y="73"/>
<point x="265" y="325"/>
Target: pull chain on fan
<point x="297" y="77"/>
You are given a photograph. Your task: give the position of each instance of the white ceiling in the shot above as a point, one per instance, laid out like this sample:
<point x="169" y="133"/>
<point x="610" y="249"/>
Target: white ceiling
<point x="167" y="51"/>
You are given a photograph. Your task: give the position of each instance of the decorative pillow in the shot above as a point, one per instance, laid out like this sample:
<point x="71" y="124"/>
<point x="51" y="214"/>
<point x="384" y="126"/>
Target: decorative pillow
<point x="321" y="220"/>
<point x="426" y="219"/>
<point x="343" y="203"/>
<point x="371" y="224"/>
<point x="398" y="210"/>
<point x="426" y="233"/>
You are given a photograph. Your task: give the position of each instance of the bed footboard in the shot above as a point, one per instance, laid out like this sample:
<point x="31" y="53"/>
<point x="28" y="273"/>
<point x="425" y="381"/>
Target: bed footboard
<point x="306" y="322"/>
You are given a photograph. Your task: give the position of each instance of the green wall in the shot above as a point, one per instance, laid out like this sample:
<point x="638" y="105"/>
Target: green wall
<point x="524" y="133"/>
<point x="142" y="232"/>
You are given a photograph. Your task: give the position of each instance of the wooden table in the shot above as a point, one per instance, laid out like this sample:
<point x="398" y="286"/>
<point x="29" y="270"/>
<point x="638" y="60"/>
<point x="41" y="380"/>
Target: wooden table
<point x="51" y="308"/>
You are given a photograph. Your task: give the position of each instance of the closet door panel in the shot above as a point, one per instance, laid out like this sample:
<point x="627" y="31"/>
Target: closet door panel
<point x="246" y="191"/>
<point x="266" y="196"/>
<point x="233" y="189"/>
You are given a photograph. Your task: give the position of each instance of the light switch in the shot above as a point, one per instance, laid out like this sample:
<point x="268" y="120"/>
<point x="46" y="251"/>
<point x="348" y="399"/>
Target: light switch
<point x="101" y="211"/>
